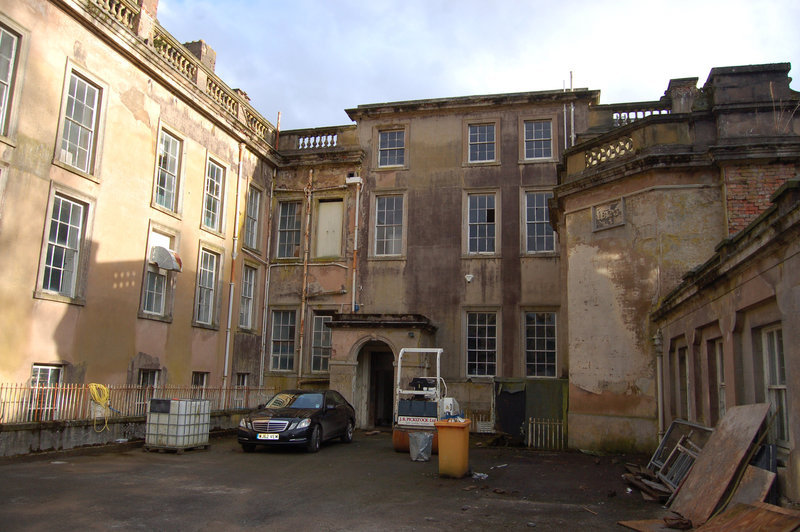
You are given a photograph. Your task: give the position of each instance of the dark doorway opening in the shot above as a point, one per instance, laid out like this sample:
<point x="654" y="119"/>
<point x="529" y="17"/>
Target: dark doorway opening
<point x="381" y="387"/>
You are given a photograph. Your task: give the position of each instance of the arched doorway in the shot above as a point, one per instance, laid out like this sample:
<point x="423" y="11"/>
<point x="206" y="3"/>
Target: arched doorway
<point x="374" y="388"/>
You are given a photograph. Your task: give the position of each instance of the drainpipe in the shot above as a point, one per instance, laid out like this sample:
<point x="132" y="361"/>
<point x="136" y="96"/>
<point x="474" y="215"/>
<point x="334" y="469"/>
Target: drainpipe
<point x="658" y="348"/>
<point x="572" y="113"/>
<point x="304" y="293"/>
<point x="358" y="182"/>
<point x="265" y="306"/>
<point x="232" y="283"/>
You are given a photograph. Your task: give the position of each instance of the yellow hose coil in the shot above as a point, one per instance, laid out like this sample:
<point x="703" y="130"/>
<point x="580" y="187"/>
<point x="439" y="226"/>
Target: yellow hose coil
<point x="100" y="396"/>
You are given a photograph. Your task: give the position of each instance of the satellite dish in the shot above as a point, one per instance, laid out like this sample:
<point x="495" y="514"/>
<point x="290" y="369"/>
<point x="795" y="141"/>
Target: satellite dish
<point x="166" y="259"/>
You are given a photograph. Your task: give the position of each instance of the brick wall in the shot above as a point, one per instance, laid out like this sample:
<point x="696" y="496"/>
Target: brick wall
<point x="748" y="190"/>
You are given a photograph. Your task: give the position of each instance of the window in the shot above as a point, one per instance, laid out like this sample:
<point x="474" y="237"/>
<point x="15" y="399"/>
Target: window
<point x="206" y="287"/>
<point x="289" y="229"/>
<point x="199" y="379"/>
<point x="540" y="344"/>
<point x="80" y="122"/>
<point x="9" y="45"/>
<point x="252" y="218"/>
<point x="45" y="375"/>
<point x="283" y="339"/>
<point x="481" y="223"/>
<point x="321" y="343"/>
<point x="148" y="382"/>
<point x="149" y="377"/>
<point x="240" y="392"/>
<point x="539" y="233"/>
<point x="481" y="143"/>
<point x="775" y="377"/>
<point x="682" y="384"/>
<point x="481" y="343"/>
<point x="538" y="139"/>
<point x="157" y="288"/>
<point x="212" y="202"/>
<point x="391" y="150"/>
<point x="389" y="225"/>
<point x="167" y="173"/>
<point x="43" y="405"/>
<point x="248" y="292"/>
<point x="328" y="234"/>
<point x="65" y="238"/>
<point x="719" y="356"/>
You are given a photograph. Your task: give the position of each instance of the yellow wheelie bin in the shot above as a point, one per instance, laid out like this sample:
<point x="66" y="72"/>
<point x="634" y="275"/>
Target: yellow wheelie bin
<point x="453" y="448"/>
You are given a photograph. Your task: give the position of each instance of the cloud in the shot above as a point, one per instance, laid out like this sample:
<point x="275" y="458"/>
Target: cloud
<point x="311" y="59"/>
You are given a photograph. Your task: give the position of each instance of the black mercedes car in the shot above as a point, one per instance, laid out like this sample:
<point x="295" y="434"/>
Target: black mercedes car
<point x="298" y="417"/>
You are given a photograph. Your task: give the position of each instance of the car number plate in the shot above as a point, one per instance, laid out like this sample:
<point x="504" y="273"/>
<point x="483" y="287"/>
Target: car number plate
<point x="267" y="436"/>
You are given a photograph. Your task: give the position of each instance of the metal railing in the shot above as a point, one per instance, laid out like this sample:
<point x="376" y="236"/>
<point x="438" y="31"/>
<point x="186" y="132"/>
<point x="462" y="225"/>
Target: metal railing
<point x="23" y="403"/>
<point x="546" y="434"/>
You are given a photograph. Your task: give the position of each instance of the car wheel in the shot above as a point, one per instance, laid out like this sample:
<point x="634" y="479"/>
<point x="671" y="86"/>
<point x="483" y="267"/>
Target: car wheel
<point x="248" y="447"/>
<point x="314" y="440"/>
<point x="347" y="437"/>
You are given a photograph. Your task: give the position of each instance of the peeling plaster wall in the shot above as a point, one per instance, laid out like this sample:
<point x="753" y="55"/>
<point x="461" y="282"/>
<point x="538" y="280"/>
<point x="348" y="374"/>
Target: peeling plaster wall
<point x="614" y="277"/>
<point x="102" y="338"/>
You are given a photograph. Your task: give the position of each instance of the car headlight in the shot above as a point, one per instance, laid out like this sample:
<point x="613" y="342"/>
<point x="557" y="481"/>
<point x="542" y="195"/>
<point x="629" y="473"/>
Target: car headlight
<point x="304" y="423"/>
<point x="245" y="423"/>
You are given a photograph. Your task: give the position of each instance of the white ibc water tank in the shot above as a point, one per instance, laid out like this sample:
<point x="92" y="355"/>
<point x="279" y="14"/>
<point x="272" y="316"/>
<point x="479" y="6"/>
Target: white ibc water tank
<point x="177" y="423"/>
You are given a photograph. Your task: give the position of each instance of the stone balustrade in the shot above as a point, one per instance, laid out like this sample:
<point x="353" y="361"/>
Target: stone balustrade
<point x="319" y="139"/>
<point x="222" y="95"/>
<point x="605" y="117"/>
<point x="624" y="117"/>
<point x="175" y="53"/>
<point x="122" y="11"/>
<point x="126" y="13"/>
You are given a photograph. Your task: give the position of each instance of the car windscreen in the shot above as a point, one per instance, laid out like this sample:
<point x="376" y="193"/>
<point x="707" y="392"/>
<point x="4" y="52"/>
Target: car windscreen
<point x="299" y="400"/>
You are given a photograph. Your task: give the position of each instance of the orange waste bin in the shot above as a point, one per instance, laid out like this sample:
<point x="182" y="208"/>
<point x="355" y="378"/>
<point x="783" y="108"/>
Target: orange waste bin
<point x="453" y="448"/>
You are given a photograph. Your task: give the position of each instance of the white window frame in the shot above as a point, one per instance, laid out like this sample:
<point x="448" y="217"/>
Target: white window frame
<point x="15" y="58"/>
<point x="482" y="134"/>
<point x="282" y="345"/>
<point x="542" y="229"/>
<point x="209" y="267"/>
<point x="247" y="299"/>
<point x="320" y="343"/>
<point x="473" y="224"/>
<point x="541" y="344"/>
<point x="164" y="313"/>
<point x="535" y="141"/>
<point x="214" y="196"/>
<point x="473" y="330"/>
<point x="169" y="171"/>
<point x="290" y="229"/>
<point x="72" y="119"/>
<point x="43" y="400"/>
<point x="775" y="382"/>
<point x="391" y="148"/>
<point x="252" y="230"/>
<point x="74" y="292"/>
<point x="383" y="226"/>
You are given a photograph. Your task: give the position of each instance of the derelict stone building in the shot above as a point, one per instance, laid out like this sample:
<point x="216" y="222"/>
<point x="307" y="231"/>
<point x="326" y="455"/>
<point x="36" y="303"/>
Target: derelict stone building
<point x="613" y="267"/>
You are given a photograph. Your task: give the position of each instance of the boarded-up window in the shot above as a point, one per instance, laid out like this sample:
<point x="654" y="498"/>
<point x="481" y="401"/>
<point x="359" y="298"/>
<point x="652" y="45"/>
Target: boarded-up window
<point x="329" y="228"/>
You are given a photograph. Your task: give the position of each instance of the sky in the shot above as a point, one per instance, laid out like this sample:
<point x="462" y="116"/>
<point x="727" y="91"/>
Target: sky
<point x="312" y="59"/>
